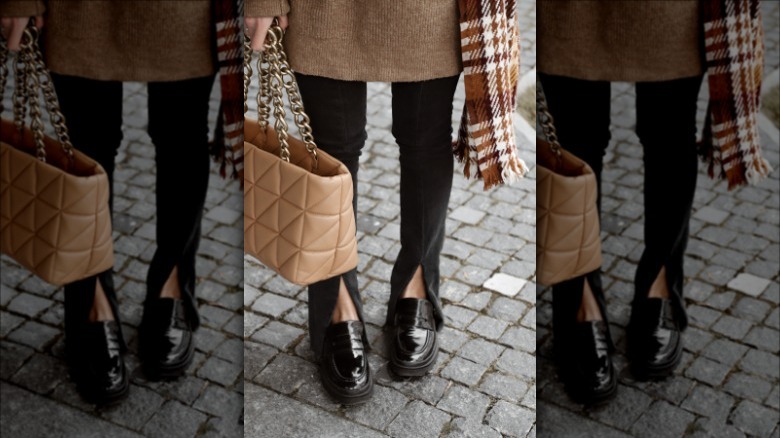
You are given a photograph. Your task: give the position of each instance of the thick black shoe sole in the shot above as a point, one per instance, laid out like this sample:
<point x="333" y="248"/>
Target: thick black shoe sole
<point x="157" y="371"/>
<point x="416" y="370"/>
<point x="349" y="398"/>
<point x="593" y="398"/>
<point x="645" y="371"/>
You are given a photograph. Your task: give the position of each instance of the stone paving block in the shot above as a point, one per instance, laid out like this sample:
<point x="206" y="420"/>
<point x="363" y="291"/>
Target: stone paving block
<point x="662" y="420"/>
<point x="488" y="327"/>
<point x="510" y="419"/>
<point x="504" y="387"/>
<point x="748" y="386"/>
<point x="418" y="420"/>
<point x="29" y="305"/>
<point x="220" y="402"/>
<point x="708" y="427"/>
<point x="481" y="351"/>
<point x="749" y="284"/>
<point x="278" y="334"/>
<point x="140" y="405"/>
<point x="458" y="317"/>
<point x="764" y="338"/>
<point x="430" y="389"/>
<point x="41" y="374"/>
<point x="40" y="416"/>
<point x="273" y="305"/>
<point x="725" y="351"/>
<point x="629" y="404"/>
<point x="761" y="363"/>
<point x="463" y="371"/>
<point x="464" y="428"/>
<point x="175" y="420"/>
<point x="506" y="309"/>
<point x="314" y="393"/>
<point x="517" y="363"/>
<point x="707" y="371"/>
<point x="219" y="371"/>
<point x="467" y="215"/>
<point x="754" y="419"/>
<point x="464" y="402"/>
<point x="707" y="402"/>
<point x="519" y="338"/>
<point x="8" y="322"/>
<point x="505" y="284"/>
<point x="380" y="410"/>
<point x="286" y="373"/>
<point x="34" y="335"/>
<point x="732" y="327"/>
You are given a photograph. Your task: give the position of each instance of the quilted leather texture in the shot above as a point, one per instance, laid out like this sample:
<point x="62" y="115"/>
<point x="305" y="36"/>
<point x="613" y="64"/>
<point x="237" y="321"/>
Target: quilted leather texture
<point x="568" y="243"/>
<point x="54" y="216"/>
<point x="297" y="221"/>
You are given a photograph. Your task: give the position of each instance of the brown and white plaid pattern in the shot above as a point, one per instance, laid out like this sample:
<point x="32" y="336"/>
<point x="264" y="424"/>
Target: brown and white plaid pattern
<point x="734" y="46"/>
<point x="490" y="46"/>
<point x="228" y="145"/>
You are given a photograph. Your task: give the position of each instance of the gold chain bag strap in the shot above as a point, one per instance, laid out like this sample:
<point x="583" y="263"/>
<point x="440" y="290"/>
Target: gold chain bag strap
<point x="54" y="216"/>
<point x="298" y="216"/>
<point x="568" y="243"/>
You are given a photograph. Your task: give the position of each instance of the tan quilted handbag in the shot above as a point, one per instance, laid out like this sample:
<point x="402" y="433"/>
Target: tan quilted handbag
<point x="298" y="217"/>
<point x="568" y="243"/>
<point x="54" y="216"/>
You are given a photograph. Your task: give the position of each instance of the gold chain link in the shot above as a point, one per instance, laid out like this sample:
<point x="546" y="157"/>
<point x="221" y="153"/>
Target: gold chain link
<point x="31" y="77"/>
<point x="546" y="120"/>
<point x="273" y="67"/>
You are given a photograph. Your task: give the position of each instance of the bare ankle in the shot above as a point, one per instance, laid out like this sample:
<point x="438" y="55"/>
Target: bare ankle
<point x="589" y="308"/>
<point x="171" y="288"/>
<point x="101" y="308"/>
<point x="659" y="288"/>
<point x="416" y="287"/>
<point x="345" y="309"/>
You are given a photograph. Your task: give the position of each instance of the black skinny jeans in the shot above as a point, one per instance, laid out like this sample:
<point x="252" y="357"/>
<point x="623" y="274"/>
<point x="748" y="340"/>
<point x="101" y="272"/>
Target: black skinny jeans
<point x="178" y="126"/>
<point x="666" y="127"/>
<point x="422" y="128"/>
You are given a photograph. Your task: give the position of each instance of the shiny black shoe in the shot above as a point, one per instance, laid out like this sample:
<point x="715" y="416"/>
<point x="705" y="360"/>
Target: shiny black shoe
<point x="344" y="365"/>
<point x="167" y="344"/>
<point x="414" y="347"/>
<point x="654" y="339"/>
<point x="97" y="366"/>
<point x="585" y="364"/>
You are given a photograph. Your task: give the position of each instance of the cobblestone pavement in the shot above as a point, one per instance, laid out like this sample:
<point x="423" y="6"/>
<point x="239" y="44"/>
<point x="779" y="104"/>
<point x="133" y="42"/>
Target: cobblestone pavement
<point x="484" y="383"/>
<point x="727" y="384"/>
<point x="39" y="400"/>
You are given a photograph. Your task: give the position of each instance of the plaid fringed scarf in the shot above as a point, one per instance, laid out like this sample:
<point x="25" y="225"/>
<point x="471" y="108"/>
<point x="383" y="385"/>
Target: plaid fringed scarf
<point x="228" y="147"/>
<point x="490" y="46"/>
<point x="734" y="46"/>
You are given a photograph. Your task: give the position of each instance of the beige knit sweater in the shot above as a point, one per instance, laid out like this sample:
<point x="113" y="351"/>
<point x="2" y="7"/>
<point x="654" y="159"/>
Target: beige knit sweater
<point x="161" y="40"/>
<point x="620" y="40"/>
<point x="376" y="40"/>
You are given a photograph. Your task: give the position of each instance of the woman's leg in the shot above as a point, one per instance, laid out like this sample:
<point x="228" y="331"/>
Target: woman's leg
<point x="666" y="126"/>
<point x="337" y="110"/>
<point x="422" y="126"/>
<point x="581" y="112"/>
<point x="178" y="126"/>
<point x="93" y="113"/>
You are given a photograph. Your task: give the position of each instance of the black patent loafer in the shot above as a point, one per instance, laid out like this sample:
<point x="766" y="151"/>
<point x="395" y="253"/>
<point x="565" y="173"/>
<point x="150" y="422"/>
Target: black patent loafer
<point x="655" y="342"/>
<point x="167" y="344"/>
<point x="344" y="366"/>
<point x="414" y="345"/>
<point x="97" y="367"/>
<point x="587" y="368"/>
